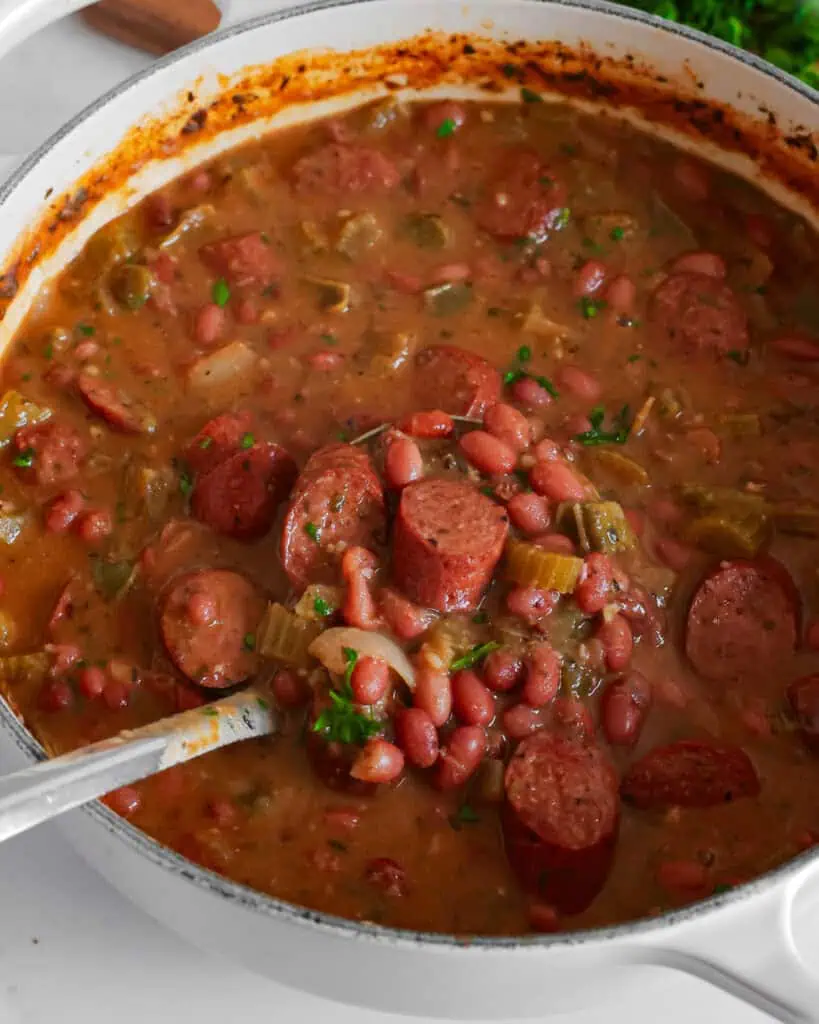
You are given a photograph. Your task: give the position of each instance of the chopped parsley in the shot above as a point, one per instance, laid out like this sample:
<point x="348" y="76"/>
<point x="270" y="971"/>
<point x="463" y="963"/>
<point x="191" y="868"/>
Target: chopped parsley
<point x="617" y="234"/>
<point x="479" y="618"/>
<point x="329" y="339"/>
<point x="524" y="354"/>
<point x="186" y="481"/>
<point x="474" y="655"/>
<point x="530" y="96"/>
<point x="248" y="440"/>
<point x="514" y="375"/>
<point x="446" y="127"/>
<point x="591" y="307"/>
<point x="465" y="815"/>
<point x="562" y="219"/>
<point x="210" y="711"/>
<point x="739" y="357"/>
<point x="322" y="607"/>
<point x="249" y="642"/>
<point x="342" y="721"/>
<point x="220" y="293"/>
<point x="25" y="460"/>
<point x="633" y="358"/>
<point x="597" y="435"/>
<point x="722" y="888"/>
<point x="205" y="443"/>
<point x="86" y="330"/>
<point x="48" y="351"/>
<point x="312" y="531"/>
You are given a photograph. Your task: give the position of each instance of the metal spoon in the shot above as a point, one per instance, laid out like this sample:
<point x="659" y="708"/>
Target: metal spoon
<point x="34" y="795"/>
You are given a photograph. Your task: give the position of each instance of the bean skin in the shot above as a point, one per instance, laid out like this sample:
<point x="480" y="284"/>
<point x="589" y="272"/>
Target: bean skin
<point x="369" y="680"/>
<point x="427" y="424"/>
<point x="403" y="463"/>
<point x="379" y="762"/>
<point x="530" y="603"/>
<point x="557" y="481"/>
<point x="509" y="425"/>
<point x="488" y="454"/>
<point x="542" y="679"/>
<point x="471" y="700"/>
<point x="529" y="513"/>
<point x="433" y="694"/>
<point x="618" y="643"/>
<point x="521" y="720"/>
<point x="417" y="736"/>
<point x="459" y="759"/>
<point x="529" y="393"/>
<point x="209" y="325"/>
<point x="502" y="671"/>
<point x="289" y="689"/>
<point x="623" y="709"/>
<point x="596" y="585"/>
<point x="580" y="384"/>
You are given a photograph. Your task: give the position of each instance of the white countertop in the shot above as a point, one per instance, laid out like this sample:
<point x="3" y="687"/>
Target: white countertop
<point x="71" y="948"/>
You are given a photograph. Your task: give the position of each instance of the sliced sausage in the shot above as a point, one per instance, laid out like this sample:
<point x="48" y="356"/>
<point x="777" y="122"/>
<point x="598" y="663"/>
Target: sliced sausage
<point x="336" y="168"/>
<point x="206" y="620"/>
<point x="690" y="773"/>
<point x="803" y="697"/>
<point x="560" y="818"/>
<point x="240" y="496"/>
<point x="456" y="381"/>
<point x="48" y="453"/>
<point x="119" y="410"/>
<point x="699" y="313"/>
<point x="447" y="540"/>
<point x="524" y="198"/>
<point x="245" y="259"/>
<point x="338" y="502"/>
<point x="220" y="438"/>
<point x="743" y="621"/>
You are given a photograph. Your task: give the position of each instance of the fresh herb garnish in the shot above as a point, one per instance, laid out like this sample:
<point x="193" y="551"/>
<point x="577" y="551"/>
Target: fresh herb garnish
<point x="530" y="96"/>
<point x="25" y="460"/>
<point x="617" y="234"/>
<point x="562" y="219"/>
<point x="597" y="435"/>
<point x="86" y="330"/>
<point x="249" y="642"/>
<point x="591" y="307"/>
<point x="220" y="293"/>
<point x="723" y="887"/>
<point x="111" y="578"/>
<point x="329" y="339"/>
<point x="514" y="375"/>
<point x="465" y="815"/>
<point x="524" y="354"/>
<point x="186" y="481"/>
<point x="479" y="618"/>
<point x="209" y="711"/>
<point x="738" y="357"/>
<point x="633" y="358"/>
<point x="446" y="127"/>
<point x="474" y="655"/>
<point x="322" y="607"/>
<point x="48" y="351"/>
<point x="312" y="531"/>
<point x="205" y="443"/>
<point x="342" y="721"/>
<point x="248" y="440"/>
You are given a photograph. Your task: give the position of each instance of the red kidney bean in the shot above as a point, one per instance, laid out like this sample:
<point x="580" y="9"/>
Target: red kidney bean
<point x="117" y="694"/>
<point x="621" y="295"/>
<point x="427" y="424"/>
<point x="557" y="542"/>
<point x="543" y="918"/>
<point x="546" y="450"/>
<point x="56" y="695"/>
<point x="812" y="635"/>
<point x="687" y="879"/>
<point x="572" y="715"/>
<point x="801" y="349"/>
<point x="488" y="454"/>
<point x="358" y="606"/>
<point x="209" y="324"/>
<point x="615" y="636"/>
<point x="62" y="512"/>
<point x="124" y="801"/>
<point x="449" y="272"/>
<point x="471" y="701"/>
<point x="706" y="442"/>
<point x="405" y="619"/>
<point x="86" y="351"/>
<point x="589" y="278"/>
<point x="370" y="679"/>
<point x="502" y="670"/>
<point x="247" y="312"/>
<point x="379" y="762"/>
<point x="709" y="264"/>
<point x="417" y="736"/>
<point x="521" y="720"/>
<point x="342" y="819"/>
<point x="407" y="284"/>
<point x="623" y="709"/>
<point x="222" y="810"/>
<point x="200" y="181"/>
<point x="289" y="689"/>
<point x="557" y="481"/>
<point x="63" y="655"/>
<point x="529" y="512"/>
<point x="529" y="393"/>
<point x="542" y="679"/>
<point x="692" y="178"/>
<point x="594" y="591"/>
<point x="446" y="110"/>
<point x="673" y="553"/>
<point x="509" y="425"/>
<point x="433" y="694"/>
<point x="580" y="384"/>
<point x="460" y="758"/>
<point x="403" y="463"/>
<point x="530" y="603"/>
<point x="325" y="361"/>
<point x="574" y="424"/>
<point x="94" y="525"/>
<point x="91" y="682"/>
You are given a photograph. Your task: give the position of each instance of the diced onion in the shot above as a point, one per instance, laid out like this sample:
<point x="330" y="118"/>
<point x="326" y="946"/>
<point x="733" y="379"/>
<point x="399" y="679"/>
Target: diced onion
<point x="329" y="649"/>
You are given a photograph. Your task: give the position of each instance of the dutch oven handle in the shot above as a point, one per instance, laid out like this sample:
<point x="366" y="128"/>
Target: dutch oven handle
<point x="749" y="950"/>
<point x="20" y="19"/>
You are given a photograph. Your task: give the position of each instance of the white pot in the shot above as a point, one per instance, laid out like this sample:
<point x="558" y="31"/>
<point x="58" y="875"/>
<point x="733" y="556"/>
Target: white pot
<point x="723" y="940"/>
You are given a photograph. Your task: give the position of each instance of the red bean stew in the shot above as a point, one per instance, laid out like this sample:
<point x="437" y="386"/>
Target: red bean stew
<point x="485" y="438"/>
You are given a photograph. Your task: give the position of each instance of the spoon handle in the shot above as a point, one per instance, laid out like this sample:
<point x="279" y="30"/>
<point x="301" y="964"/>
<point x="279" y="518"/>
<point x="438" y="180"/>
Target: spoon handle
<point x="36" y="794"/>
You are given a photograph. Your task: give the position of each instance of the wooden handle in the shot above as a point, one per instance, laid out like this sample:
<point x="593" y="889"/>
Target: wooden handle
<point x="157" y="26"/>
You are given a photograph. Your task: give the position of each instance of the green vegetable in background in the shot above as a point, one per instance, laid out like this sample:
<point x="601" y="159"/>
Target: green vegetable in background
<point x="781" y="31"/>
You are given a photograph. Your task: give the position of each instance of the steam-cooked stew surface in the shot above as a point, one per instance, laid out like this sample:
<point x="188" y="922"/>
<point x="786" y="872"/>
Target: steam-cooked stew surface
<point x="525" y="395"/>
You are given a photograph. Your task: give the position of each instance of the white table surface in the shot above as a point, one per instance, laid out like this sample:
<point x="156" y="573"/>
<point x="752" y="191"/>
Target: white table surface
<point x="71" y="948"/>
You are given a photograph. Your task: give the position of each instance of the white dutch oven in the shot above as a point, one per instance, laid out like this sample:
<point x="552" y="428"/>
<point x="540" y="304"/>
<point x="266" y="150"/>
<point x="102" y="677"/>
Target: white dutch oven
<point x="745" y="941"/>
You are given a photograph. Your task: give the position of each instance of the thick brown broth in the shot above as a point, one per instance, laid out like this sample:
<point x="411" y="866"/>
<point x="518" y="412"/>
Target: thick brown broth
<point x="405" y="219"/>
